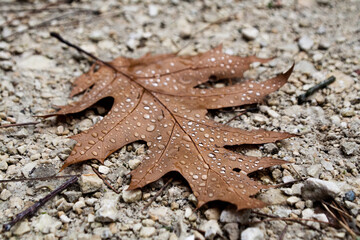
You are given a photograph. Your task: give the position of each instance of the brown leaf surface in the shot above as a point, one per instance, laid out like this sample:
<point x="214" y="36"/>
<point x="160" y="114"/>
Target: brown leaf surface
<point x="155" y="100"/>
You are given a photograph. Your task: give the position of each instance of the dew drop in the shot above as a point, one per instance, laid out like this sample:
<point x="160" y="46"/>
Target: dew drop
<point x="195" y="177"/>
<point x="112" y="140"/>
<point x="187" y="138"/>
<point x="82" y="152"/>
<point x="146" y="116"/>
<point x="138" y="124"/>
<point x="182" y="162"/>
<point x="150" y="128"/>
<point x="94" y="153"/>
<point x="94" y="134"/>
<point x="204" y="177"/>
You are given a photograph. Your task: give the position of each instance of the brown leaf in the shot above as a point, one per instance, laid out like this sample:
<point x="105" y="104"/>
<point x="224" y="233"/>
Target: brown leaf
<point x="155" y="100"/>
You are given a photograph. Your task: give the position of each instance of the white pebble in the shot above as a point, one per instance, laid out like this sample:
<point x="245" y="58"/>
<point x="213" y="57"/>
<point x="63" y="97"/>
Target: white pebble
<point x="250" y="33"/>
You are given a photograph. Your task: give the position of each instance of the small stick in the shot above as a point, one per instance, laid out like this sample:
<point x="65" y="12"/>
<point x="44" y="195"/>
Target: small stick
<point x="31" y="210"/>
<point x="299" y="175"/>
<point x="242" y="111"/>
<point x="302" y="97"/>
<point x="219" y="21"/>
<point x="104" y="180"/>
<point x="291" y="220"/>
<point x="61" y="39"/>
<point x="45" y="23"/>
<point x="346" y="227"/>
<point x="30" y="11"/>
<point x="18" y="124"/>
<point x="236" y="116"/>
<point x="287" y="183"/>
<point x="338" y="209"/>
<point x="37" y="179"/>
<point x="283" y="232"/>
<point x="157" y="194"/>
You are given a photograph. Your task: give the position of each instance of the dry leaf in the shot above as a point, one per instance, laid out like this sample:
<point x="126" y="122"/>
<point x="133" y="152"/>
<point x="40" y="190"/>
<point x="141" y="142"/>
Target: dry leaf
<point x="155" y="100"/>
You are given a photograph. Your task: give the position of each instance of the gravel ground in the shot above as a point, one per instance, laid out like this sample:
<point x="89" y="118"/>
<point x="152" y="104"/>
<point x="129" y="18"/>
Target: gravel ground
<point x="323" y="39"/>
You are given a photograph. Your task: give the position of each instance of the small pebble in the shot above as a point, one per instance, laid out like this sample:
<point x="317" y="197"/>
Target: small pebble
<point x="250" y="33"/>
<point x="153" y="10"/>
<point x="108" y="208"/>
<point x="131" y="196"/>
<point x="349" y="148"/>
<point x="104" y="170"/>
<point x="97" y="35"/>
<point x="324" y="45"/>
<point x="5" y="194"/>
<point x="292" y="200"/>
<point x="211" y="229"/>
<point x="212" y="214"/>
<point x="305" y="43"/>
<point x="22" y="228"/>
<point x="350" y="196"/>
<point x="252" y="233"/>
<point x="316" y="189"/>
<point x="147" y="232"/>
<point x="90" y="183"/>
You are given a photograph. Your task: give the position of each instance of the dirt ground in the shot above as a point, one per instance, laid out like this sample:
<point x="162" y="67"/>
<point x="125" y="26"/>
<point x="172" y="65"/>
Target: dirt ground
<point x="322" y="38"/>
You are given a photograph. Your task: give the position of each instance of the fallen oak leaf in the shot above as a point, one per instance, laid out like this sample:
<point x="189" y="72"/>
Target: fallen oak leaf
<point x="155" y="100"/>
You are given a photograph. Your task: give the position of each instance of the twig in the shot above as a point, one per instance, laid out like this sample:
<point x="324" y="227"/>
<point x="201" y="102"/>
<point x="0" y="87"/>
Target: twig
<point x="236" y="116"/>
<point x="32" y="210"/>
<point x="46" y="22"/>
<point x="283" y="232"/>
<point x="219" y="21"/>
<point x="104" y="180"/>
<point x="287" y="183"/>
<point x="29" y="10"/>
<point x="299" y="175"/>
<point x="297" y="220"/>
<point x="345" y="226"/>
<point x="37" y="179"/>
<point x="157" y="194"/>
<point x="338" y="209"/>
<point x="18" y="124"/>
<point x="61" y="39"/>
<point x="302" y="97"/>
<point x="290" y="220"/>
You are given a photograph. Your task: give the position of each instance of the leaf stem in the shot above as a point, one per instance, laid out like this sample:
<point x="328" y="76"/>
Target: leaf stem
<point x="61" y="39"/>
